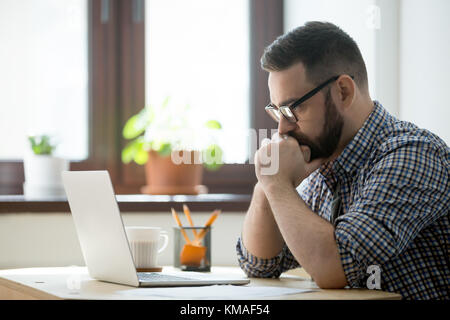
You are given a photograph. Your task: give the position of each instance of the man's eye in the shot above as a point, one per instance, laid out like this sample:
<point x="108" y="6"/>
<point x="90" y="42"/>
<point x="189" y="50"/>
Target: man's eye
<point x="297" y="107"/>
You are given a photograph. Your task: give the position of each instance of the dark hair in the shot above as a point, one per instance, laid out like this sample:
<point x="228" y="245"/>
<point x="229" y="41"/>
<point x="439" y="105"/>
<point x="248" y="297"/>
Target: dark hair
<point x="323" y="48"/>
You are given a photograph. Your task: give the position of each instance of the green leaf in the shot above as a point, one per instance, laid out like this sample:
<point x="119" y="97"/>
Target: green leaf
<point x="165" y="150"/>
<point x="129" y="152"/>
<point x="136" y="125"/>
<point x="213" y="124"/>
<point x="213" y="157"/>
<point x="129" y="130"/>
<point x="141" y="157"/>
<point x="165" y="103"/>
<point x="135" y="150"/>
<point x="41" y="144"/>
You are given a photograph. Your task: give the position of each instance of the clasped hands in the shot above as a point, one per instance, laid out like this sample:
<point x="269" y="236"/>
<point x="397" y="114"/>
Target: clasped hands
<point x="281" y="161"/>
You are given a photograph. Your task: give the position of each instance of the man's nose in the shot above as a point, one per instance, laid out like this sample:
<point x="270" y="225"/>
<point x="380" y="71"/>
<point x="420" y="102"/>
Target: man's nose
<point x="285" y="126"/>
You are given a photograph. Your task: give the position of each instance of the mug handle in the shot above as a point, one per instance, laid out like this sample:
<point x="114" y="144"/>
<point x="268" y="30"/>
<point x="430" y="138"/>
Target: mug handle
<point x="166" y="241"/>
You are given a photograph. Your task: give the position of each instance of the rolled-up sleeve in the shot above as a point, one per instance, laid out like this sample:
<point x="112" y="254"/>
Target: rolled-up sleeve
<point x="265" y="268"/>
<point x="406" y="191"/>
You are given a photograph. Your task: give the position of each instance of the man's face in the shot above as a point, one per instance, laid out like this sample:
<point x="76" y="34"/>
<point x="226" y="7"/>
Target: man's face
<point x="319" y="124"/>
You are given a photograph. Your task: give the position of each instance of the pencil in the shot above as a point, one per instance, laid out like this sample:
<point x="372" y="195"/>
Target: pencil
<point x="188" y="216"/>
<point x="177" y="220"/>
<point x="208" y="223"/>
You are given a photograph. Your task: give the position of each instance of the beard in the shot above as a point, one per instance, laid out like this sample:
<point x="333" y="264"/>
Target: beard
<point x="327" y="142"/>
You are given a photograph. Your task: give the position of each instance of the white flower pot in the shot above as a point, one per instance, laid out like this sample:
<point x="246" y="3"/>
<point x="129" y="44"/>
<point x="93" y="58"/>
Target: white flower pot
<point x="43" y="176"/>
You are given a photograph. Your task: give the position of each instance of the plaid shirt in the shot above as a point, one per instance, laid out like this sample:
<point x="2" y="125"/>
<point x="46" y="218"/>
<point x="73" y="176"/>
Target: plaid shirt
<point x="395" y="196"/>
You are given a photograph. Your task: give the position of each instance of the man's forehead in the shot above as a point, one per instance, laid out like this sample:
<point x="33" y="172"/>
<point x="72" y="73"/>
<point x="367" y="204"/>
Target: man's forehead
<point x="296" y="70"/>
<point x="287" y="84"/>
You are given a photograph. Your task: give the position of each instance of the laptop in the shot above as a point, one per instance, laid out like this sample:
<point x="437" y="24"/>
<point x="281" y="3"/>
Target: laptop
<point x="104" y="242"/>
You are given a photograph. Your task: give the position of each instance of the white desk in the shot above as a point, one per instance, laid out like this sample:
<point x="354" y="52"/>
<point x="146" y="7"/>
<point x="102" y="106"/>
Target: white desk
<point x="75" y="283"/>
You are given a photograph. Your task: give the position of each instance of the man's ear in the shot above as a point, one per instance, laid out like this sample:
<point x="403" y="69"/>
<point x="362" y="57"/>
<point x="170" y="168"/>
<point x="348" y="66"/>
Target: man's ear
<point x="345" y="92"/>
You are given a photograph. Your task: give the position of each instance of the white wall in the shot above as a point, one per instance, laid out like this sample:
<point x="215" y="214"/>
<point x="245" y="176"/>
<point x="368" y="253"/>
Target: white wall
<point x="373" y="24"/>
<point x="425" y="64"/>
<point x="350" y="15"/>
<point x="49" y="239"/>
<point x="386" y="66"/>
<point x="406" y="49"/>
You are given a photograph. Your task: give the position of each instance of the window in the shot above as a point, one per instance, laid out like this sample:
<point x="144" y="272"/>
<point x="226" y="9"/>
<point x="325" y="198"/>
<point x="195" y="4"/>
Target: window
<point x="94" y="61"/>
<point x="44" y="78"/>
<point x="197" y="52"/>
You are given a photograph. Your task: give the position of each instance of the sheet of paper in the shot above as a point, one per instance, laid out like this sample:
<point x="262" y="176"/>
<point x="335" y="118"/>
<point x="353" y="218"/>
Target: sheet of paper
<point x="219" y="292"/>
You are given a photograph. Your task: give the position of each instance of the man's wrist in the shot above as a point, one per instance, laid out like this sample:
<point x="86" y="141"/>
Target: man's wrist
<point x="277" y="186"/>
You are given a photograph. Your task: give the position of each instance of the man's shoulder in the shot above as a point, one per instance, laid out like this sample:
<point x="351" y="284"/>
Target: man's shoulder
<point x="408" y="141"/>
<point x="406" y="155"/>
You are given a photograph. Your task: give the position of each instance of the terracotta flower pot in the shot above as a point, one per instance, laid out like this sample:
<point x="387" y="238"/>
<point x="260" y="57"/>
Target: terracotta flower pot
<point x="165" y="177"/>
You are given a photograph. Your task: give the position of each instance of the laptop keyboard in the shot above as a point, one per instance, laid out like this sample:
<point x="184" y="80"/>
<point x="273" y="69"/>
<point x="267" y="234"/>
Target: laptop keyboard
<point x="153" y="276"/>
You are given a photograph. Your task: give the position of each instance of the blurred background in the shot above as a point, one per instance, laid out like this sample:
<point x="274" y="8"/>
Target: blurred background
<point x="78" y="69"/>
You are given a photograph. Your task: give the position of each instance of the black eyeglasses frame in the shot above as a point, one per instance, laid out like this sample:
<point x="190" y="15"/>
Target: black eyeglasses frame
<point x="288" y="111"/>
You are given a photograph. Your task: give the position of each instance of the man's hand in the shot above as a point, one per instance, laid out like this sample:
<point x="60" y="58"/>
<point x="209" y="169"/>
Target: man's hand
<point x="283" y="161"/>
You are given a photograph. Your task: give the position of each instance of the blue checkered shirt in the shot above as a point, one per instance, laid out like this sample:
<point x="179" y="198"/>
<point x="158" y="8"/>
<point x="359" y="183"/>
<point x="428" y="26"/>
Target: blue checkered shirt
<point x="395" y="200"/>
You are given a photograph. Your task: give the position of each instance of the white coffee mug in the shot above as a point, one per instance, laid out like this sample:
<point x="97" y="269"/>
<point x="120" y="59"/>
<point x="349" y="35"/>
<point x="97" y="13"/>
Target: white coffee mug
<point x="145" y="245"/>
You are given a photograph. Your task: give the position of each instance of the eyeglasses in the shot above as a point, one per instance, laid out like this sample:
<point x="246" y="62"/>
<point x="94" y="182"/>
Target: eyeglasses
<point x="287" y="111"/>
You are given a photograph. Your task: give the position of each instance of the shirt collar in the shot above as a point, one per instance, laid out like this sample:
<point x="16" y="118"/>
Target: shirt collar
<point x="359" y="148"/>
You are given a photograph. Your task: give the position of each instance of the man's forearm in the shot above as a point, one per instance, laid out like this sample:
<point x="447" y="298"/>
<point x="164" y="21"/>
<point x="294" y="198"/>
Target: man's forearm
<point x="309" y="237"/>
<point x="260" y="233"/>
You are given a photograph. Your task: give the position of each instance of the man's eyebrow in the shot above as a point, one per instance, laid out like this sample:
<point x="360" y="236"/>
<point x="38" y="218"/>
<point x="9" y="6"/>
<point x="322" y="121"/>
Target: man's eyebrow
<point x="288" y="102"/>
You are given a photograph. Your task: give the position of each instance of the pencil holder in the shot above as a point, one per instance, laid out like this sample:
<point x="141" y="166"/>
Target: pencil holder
<point x="194" y="255"/>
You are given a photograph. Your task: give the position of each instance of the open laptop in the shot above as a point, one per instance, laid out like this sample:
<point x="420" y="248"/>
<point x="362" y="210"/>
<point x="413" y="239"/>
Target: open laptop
<point x="104" y="241"/>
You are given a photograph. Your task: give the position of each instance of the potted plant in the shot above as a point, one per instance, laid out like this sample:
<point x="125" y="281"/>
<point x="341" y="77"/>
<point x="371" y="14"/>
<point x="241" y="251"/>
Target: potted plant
<point x="42" y="169"/>
<point x="172" y="150"/>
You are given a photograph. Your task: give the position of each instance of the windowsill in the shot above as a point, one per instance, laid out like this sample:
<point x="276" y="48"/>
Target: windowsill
<point x="133" y="203"/>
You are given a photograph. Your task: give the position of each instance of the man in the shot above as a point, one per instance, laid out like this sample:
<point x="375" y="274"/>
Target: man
<point x="374" y="193"/>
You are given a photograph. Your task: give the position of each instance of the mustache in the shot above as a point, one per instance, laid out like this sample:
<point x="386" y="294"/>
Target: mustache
<point x="303" y="140"/>
<point x="326" y="143"/>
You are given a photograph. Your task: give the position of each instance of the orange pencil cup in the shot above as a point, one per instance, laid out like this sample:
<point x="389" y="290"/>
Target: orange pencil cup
<point x="196" y="255"/>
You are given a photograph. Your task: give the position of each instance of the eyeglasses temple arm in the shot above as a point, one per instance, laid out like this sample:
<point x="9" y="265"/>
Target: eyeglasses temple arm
<point x="313" y="92"/>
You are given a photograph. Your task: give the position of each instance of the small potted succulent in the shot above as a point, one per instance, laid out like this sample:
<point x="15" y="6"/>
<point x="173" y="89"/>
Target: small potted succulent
<point x="43" y="169"/>
<point x="172" y="150"/>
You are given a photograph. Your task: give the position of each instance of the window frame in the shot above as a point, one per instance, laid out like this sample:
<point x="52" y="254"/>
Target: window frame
<point x="116" y="55"/>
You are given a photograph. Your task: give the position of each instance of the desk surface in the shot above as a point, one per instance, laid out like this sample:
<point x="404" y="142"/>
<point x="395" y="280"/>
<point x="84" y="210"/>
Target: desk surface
<point x="54" y="283"/>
